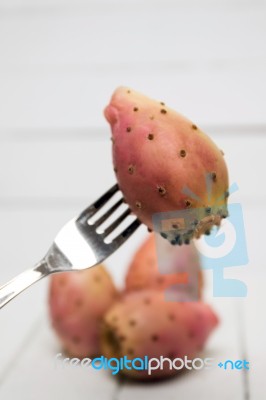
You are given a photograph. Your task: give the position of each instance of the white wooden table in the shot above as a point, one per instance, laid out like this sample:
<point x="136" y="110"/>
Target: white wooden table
<point x="59" y="63"/>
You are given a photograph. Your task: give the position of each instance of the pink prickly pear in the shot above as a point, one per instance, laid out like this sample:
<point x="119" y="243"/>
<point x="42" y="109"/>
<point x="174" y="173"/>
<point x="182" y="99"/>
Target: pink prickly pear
<point x="77" y="302"/>
<point x="144" y="324"/>
<point x="164" y="162"/>
<point x="183" y="269"/>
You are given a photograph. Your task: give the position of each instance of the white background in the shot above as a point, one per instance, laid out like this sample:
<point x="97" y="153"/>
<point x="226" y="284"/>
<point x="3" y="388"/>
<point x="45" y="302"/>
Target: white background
<point x="59" y="63"/>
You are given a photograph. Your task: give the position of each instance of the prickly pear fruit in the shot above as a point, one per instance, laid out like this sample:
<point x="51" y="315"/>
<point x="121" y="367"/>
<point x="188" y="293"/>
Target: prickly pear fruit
<point x="179" y="267"/>
<point x="144" y="324"/>
<point x="77" y="302"/>
<point x="164" y="162"/>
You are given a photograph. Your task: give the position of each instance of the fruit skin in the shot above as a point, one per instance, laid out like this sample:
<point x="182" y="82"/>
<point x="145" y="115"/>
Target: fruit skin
<point x="182" y="269"/>
<point x="77" y="303"/>
<point x="144" y="324"/>
<point x="157" y="153"/>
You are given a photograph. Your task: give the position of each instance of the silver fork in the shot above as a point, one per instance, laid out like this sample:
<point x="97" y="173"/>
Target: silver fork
<point x="77" y="246"/>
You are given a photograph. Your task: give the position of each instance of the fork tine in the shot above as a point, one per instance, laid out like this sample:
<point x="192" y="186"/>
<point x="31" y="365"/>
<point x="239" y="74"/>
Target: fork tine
<point x="108" y="213"/>
<point x="116" y="223"/>
<point x="93" y="208"/>
<point x="120" y="239"/>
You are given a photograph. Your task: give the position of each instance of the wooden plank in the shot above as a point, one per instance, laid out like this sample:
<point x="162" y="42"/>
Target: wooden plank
<point x="87" y="41"/>
<point x="77" y="99"/>
<point x="225" y="343"/>
<point x="25" y="237"/>
<point x="18" y="379"/>
<point x="31" y="172"/>
<point x="36" y="374"/>
<point x="83" y="170"/>
<point x="64" y="4"/>
<point x="253" y="326"/>
<point x="64" y="75"/>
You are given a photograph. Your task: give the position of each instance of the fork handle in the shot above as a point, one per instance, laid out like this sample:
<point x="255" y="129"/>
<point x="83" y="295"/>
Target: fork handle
<point x="22" y="281"/>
